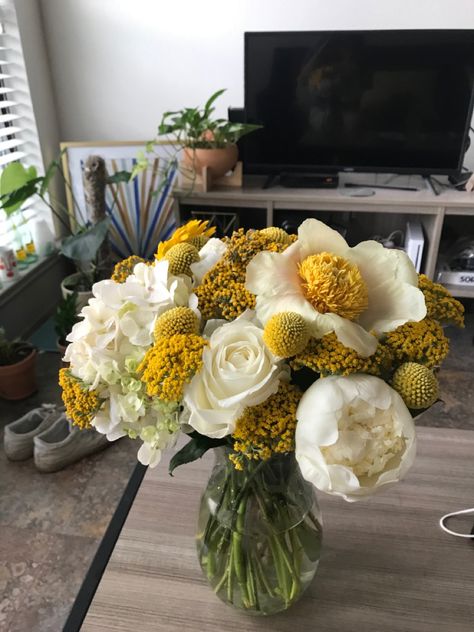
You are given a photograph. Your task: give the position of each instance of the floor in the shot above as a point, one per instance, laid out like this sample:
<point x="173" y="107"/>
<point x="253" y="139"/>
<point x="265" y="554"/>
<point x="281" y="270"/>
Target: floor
<point x="51" y="524"/>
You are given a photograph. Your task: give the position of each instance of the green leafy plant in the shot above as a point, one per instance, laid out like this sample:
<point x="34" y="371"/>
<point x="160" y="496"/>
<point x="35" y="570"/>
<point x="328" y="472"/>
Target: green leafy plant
<point x="65" y="317"/>
<point x="192" y="128"/>
<point x="196" y="128"/>
<point x="13" y="351"/>
<point x="19" y="183"/>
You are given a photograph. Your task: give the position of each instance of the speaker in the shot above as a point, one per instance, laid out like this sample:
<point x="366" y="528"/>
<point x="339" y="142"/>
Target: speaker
<point x="236" y="115"/>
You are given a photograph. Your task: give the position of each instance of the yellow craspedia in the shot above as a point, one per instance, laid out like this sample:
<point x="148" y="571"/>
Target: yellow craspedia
<point x="123" y="269"/>
<point x="286" y="334"/>
<point x="277" y="235"/>
<point x="180" y="257"/>
<point x="179" y="320"/>
<point x="417" y="384"/>
<point x="199" y="241"/>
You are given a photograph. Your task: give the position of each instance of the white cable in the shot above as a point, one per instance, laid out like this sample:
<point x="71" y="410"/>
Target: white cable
<point x="456" y="513"/>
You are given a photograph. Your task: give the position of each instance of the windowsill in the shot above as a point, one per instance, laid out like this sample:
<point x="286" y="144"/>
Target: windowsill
<point x="27" y="277"/>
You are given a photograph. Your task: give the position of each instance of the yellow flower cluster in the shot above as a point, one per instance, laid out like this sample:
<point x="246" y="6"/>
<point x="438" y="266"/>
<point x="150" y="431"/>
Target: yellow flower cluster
<point x="286" y="334"/>
<point x="194" y="232"/>
<point x="422" y="342"/>
<point x="170" y="364"/>
<point x="123" y="269"/>
<point x="417" y="384"/>
<point x="440" y="305"/>
<point x="81" y="404"/>
<point x="328" y="356"/>
<point x="222" y="293"/>
<point x="180" y="257"/>
<point x="178" y="320"/>
<point x="267" y="428"/>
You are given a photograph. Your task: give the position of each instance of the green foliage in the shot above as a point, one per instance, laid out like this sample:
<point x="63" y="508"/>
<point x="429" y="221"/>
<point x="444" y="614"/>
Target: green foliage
<point x="196" y="128"/>
<point x="194" y="449"/>
<point x="84" y="246"/>
<point x="13" y="351"/>
<point x="66" y="316"/>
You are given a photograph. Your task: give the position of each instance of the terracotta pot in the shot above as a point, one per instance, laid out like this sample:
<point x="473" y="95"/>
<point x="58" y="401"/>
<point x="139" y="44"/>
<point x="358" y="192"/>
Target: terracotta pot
<point x="18" y="381"/>
<point x="218" y="161"/>
<point x="67" y="287"/>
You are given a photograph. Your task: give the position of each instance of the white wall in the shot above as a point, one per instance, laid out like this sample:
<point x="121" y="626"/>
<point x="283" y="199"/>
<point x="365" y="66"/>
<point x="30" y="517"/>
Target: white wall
<point x="118" y="64"/>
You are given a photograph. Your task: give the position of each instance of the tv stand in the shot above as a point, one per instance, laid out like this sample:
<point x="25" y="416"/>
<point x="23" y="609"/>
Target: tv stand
<point x="292" y="180"/>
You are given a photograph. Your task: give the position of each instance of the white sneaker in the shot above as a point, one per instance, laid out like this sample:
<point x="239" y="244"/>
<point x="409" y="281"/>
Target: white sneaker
<point x="63" y="444"/>
<point x="19" y="434"/>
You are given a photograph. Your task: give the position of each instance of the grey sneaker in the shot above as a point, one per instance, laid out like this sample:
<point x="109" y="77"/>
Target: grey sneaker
<point x="19" y="434"/>
<point x="63" y="444"/>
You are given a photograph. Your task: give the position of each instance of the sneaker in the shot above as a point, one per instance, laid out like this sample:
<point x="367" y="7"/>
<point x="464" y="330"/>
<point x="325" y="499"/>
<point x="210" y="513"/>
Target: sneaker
<point x="63" y="444"/>
<point x="19" y="434"/>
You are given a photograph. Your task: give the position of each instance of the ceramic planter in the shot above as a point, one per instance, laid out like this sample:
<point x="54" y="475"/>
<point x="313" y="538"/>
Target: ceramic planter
<point x="18" y="381"/>
<point x="218" y="161"/>
<point x="67" y="288"/>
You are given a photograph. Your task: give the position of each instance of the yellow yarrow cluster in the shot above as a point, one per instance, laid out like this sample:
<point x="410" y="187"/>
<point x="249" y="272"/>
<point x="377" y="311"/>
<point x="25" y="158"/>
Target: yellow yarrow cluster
<point x="277" y="235"/>
<point x="222" y="293"/>
<point x="422" y="342"/>
<point x="81" y="404"/>
<point x="123" y="269"/>
<point x="180" y="257"/>
<point x="267" y="428"/>
<point x="328" y="356"/>
<point x="189" y="233"/>
<point x="178" y="320"/>
<point x="440" y="305"/>
<point x="417" y="384"/>
<point x="286" y="334"/>
<point x="170" y="364"/>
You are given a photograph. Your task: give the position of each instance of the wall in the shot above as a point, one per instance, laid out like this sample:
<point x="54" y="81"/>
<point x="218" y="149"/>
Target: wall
<point x="118" y="64"/>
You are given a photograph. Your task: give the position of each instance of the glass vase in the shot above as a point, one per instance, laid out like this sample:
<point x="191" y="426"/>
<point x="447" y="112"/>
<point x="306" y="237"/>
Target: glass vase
<point x="259" y="533"/>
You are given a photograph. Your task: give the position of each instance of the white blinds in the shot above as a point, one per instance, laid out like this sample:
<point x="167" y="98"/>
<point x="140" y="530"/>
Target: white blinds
<point x="18" y="132"/>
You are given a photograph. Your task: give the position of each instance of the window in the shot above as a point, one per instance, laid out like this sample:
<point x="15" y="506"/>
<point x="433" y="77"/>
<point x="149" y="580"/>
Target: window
<point x="18" y="133"/>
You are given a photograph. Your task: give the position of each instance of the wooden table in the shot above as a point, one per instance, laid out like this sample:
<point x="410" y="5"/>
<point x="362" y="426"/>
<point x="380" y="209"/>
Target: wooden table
<point x="386" y="564"/>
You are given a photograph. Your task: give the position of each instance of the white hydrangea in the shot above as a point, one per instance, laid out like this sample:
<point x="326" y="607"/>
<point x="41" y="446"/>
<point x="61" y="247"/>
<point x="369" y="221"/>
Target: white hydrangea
<point x="107" y="345"/>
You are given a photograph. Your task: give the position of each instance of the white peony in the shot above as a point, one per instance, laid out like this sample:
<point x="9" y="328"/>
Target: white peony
<point x="351" y="291"/>
<point x="238" y="371"/>
<point x="354" y="434"/>
<point x="209" y="255"/>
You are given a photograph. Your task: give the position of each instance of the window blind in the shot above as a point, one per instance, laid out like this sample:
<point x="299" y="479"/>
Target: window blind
<point x="18" y="132"/>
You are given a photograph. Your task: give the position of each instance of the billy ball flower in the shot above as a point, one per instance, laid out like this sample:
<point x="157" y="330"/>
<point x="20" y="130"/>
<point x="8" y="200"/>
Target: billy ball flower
<point x="286" y="334"/>
<point x="180" y="257"/>
<point x="417" y="384"/>
<point x="277" y="235"/>
<point x="179" y="320"/>
<point x="123" y="269"/>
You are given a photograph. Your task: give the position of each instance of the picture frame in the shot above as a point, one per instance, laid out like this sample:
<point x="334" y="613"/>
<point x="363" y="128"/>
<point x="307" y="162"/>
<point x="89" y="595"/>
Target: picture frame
<point x="141" y="213"/>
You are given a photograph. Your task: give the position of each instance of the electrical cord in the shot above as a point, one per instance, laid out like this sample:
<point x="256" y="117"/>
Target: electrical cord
<point x="451" y="515"/>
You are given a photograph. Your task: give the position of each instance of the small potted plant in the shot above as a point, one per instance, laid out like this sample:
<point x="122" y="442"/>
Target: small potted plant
<point x="84" y="239"/>
<point x="17" y="368"/>
<point x="64" y="319"/>
<point x="207" y="141"/>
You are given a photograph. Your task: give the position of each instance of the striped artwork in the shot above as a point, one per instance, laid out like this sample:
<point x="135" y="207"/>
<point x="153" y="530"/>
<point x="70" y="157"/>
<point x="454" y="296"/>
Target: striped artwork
<point x="140" y="217"/>
<point x="140" y="210"/>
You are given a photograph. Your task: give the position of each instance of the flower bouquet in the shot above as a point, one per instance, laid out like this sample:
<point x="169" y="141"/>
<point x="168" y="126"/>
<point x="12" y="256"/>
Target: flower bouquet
<point x="300" y="359"/>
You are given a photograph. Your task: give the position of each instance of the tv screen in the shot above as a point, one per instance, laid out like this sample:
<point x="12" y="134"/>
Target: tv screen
<point x="393" y="101"/>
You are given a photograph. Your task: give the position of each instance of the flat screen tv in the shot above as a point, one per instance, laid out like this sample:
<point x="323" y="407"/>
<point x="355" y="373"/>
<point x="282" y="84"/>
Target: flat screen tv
<point x="389" y="101"/>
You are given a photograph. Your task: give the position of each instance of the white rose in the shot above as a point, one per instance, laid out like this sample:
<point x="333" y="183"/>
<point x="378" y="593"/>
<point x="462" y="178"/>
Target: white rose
<point x="238" y="371"/>
<point x="354" y="434"/>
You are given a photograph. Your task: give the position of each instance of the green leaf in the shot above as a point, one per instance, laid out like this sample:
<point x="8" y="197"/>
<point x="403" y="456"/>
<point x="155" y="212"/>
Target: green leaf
<point x="16" y="177"/>
<point x="310" y="542"/>
<point x="193" y="450"/>
<point x="85" y="245"/>
<point x="50" y="172"/>
<point x="210" y="101"/>
<point x="119" y="176"/>
<point x="150" y="146"/>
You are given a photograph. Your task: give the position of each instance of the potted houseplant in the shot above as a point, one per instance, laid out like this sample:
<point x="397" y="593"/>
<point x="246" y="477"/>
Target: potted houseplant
<point x="206" y="141"/>
<point x="83" y="239"/>
<point x="17" y="368"/>
<point x="64" y="319"/>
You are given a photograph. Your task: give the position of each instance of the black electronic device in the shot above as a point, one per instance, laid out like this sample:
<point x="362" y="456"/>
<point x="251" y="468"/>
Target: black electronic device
<point x="384" y="101"/>
<point x="309" y="180"/>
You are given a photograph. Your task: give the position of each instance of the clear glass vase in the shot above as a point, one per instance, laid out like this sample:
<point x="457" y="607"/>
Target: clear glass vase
<point x="259" y="534"/>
